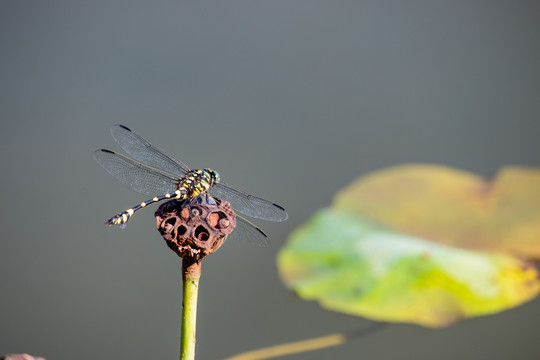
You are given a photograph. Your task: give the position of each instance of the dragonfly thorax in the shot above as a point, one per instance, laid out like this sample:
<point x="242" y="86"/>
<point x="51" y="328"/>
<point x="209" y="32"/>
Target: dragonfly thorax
<point x="197" y="182"/>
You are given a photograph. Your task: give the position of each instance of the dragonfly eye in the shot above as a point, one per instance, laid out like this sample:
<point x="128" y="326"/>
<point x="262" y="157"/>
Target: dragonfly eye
<point x="216" y="176"/>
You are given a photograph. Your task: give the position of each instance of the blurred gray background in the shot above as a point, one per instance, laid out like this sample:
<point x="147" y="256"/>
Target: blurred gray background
<point x="287" y="100"/>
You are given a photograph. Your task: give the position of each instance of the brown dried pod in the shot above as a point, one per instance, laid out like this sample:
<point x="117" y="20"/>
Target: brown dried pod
<point x="195" y="228"/>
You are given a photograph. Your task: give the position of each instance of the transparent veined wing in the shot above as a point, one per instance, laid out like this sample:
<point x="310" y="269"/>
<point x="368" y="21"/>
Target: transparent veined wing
<point x="247" y="232"/>
<point x="141" y="150"/>
<point x="249" y="205"/>
<point x="139" y="177"/>
<point x="244" y="231"/>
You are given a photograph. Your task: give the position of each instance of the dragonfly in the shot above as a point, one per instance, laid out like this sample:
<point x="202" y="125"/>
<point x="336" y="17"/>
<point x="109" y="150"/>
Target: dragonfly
<point x="153" y="172"/>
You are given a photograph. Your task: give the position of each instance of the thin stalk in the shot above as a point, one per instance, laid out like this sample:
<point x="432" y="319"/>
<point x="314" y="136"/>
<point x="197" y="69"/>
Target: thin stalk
<point x="308" y="345"/>
<point x="292" y="348"/>
<point x="191" y="273"/>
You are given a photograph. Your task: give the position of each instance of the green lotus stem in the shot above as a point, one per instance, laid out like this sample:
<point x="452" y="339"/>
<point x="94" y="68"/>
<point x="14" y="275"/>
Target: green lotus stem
<point x="191" y="273"/>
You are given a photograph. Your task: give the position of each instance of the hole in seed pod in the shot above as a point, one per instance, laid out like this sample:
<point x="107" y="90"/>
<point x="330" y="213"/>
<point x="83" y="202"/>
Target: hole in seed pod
<point x="169" y="224"/>
<point x="201" y="233"/>
<point x="182" y="230"/>
<point x="224" y="223"/>
<point x="216" y="218"/>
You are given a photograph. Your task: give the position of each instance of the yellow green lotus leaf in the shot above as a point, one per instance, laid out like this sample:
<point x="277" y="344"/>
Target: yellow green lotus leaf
<point x="356" y="266"/>
<point x="453" y="207"/>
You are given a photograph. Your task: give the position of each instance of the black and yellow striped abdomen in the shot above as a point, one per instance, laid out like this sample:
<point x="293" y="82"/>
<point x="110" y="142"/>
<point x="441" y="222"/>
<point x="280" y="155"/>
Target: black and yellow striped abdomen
<point x="191" y="185"/>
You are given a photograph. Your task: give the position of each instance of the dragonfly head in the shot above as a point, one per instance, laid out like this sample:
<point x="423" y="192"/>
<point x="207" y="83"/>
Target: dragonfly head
<point x="215" y="176"/>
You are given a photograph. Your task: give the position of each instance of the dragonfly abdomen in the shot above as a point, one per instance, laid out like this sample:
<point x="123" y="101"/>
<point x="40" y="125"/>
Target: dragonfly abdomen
<point x="123" y="217"/>
<point x="193" y="184"/>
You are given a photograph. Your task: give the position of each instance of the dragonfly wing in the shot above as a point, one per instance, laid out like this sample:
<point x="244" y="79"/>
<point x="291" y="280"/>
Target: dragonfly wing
<point x="139" y="177"/>
<point x="248" y="204"/>
<point x="247" y="232"/>
<point x="141" y="150"/>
